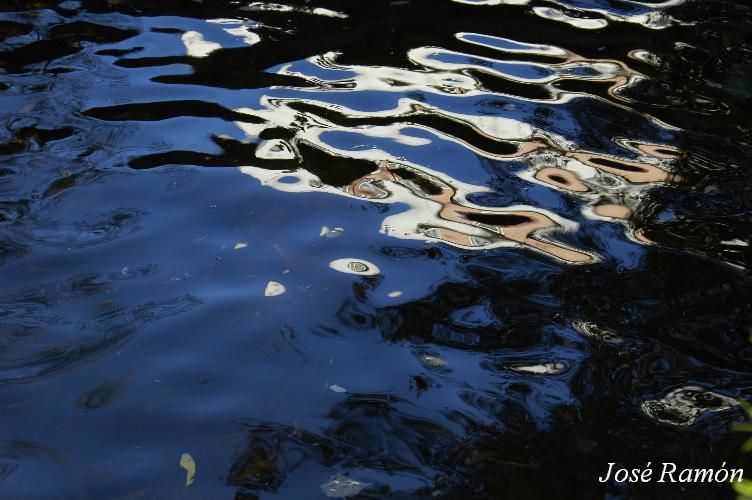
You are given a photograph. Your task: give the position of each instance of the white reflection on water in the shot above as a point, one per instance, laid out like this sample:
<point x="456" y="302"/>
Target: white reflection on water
<point x="648" y="15"/>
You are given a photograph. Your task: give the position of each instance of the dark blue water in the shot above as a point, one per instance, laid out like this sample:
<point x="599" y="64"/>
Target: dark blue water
<point x="406" y="249"/>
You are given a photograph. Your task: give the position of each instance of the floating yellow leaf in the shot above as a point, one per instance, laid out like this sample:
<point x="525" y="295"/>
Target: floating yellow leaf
<point x="744" y="488"/>
<point x="187" y="463"/>
<point x="273" y="289"/>
<point x="747" y="446"/>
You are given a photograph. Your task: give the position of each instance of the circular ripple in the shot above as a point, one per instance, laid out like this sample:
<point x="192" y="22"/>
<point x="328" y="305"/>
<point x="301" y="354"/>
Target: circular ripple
<point x="355" y="266"/>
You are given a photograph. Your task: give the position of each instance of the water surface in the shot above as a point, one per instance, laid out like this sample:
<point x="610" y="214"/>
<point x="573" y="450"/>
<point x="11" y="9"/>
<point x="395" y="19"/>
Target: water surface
<point x="405" y="249"/>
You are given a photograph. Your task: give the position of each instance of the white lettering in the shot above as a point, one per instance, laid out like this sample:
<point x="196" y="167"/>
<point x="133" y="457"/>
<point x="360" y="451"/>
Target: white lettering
<point x="623" y="476"/>
<point x="668" y="473"/>
<point x="647" y="473"/>
<point x="608" y="474"/>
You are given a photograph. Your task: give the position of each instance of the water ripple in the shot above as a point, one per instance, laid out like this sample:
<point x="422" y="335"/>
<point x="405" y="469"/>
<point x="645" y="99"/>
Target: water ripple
<point x="404" y="248"/>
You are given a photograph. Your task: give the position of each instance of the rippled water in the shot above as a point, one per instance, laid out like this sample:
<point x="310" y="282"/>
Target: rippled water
<point x="409" y="249"/>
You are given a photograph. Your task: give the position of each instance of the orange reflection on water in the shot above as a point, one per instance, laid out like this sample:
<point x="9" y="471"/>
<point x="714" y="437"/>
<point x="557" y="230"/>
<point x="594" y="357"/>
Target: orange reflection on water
<point x="562" y="178"/>
<point x="518" y="226"/>
<point x="634" y="171"/>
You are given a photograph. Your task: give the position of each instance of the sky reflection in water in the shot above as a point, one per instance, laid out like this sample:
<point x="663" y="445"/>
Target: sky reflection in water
<point x="443" y="249"/>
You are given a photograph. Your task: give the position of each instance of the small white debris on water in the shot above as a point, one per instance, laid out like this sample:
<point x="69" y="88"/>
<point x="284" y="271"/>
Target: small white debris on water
<point x="273" y="289"/>
<point x="547" y="368"/>
<point x="331" y="233"/>
<point x="355" y="266"/>
<point x="434" y="361"/>
<point x="337" y="388"/>
<point x="342" y="486"/>
<point x="394" y="294"/>
<point x="239" y="245"/>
